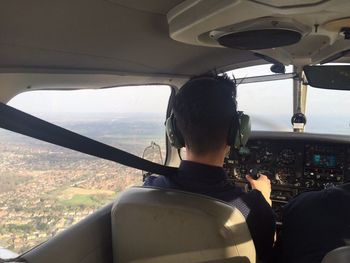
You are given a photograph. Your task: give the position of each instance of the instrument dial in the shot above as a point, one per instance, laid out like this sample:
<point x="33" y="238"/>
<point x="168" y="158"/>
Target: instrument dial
<point x="286" y="156"/>
<point x="265" y="155"/>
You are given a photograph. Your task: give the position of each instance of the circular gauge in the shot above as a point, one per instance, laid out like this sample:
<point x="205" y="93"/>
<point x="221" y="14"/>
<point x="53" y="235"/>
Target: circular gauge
<point x="286" y="156"/>
<point x="265" y="155"/>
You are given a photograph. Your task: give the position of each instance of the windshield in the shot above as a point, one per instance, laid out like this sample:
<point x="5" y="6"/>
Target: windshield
<point x="270" y="104"/>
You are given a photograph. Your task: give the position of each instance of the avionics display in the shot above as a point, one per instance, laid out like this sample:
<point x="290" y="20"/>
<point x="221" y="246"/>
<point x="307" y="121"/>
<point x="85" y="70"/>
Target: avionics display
<point x="323" y="160"/>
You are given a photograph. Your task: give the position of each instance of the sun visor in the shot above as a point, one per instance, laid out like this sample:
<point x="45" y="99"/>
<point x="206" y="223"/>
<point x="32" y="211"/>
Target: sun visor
<point x="336" y="77"/>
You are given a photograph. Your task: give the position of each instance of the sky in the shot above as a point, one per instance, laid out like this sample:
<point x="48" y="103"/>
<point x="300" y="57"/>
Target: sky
<point x="270" y="103"/>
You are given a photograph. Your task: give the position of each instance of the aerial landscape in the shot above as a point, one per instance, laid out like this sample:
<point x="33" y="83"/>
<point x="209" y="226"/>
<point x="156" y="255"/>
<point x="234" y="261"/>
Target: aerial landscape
<point x="45" y="188"/>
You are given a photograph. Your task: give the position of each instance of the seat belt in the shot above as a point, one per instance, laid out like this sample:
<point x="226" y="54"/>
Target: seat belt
<point x="26" y="124"/>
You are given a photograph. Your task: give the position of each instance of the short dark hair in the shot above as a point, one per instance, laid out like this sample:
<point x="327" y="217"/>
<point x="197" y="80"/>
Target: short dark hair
<point x="204" y="109"/>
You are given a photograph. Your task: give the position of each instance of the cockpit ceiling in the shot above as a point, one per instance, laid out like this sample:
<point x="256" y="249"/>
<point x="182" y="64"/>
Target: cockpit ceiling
<point x="114" y="35"/>
<point x="156" y="37"/>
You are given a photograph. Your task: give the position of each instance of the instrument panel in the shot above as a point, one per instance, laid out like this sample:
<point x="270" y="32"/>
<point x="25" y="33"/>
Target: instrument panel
<point x="294" y="163"/>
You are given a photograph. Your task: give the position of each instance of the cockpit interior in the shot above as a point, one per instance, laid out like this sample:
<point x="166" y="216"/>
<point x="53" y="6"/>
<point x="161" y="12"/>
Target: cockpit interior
<point x="102" y="44"/>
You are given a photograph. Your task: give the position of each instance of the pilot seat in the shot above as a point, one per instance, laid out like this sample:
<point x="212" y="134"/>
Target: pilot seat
<point x="157" y="225"/>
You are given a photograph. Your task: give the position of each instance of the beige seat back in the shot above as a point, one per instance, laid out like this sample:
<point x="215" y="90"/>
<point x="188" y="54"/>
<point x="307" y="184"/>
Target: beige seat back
<point x="154" y="225"/>
<point x="338" y="255"/>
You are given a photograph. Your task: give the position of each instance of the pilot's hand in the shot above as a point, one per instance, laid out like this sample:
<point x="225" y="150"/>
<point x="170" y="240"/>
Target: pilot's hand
<point x="262" y="184"/>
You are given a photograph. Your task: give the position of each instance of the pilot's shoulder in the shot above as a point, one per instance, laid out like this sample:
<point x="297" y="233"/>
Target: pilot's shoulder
<point x="158" y="181"/>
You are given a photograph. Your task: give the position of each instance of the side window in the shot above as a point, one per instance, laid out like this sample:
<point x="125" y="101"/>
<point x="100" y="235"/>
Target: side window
<point x="46" y="188"/>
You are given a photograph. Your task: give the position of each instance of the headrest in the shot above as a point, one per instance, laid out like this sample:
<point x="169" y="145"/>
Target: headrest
<point x="338" y="255"/>
<point x="155" y="225"/>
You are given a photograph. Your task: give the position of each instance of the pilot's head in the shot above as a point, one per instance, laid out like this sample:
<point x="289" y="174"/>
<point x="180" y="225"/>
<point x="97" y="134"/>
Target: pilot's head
<point x="204" y="109"/>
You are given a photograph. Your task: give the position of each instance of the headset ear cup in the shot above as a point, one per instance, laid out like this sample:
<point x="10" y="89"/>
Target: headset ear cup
<point x="174" y="135"/>
<point x="243" y="131"/>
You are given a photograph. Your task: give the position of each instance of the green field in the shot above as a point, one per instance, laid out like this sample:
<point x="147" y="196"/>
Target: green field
<point x="74" y="196"/>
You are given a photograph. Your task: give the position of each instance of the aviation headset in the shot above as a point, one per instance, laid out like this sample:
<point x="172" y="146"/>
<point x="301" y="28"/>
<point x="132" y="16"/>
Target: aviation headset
<point x="238" y="134"/>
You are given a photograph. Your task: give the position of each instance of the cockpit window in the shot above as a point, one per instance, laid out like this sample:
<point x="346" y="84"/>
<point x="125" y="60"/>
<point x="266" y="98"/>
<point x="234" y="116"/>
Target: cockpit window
<point x="269" y="103"/>
<point x="46" y="188"/>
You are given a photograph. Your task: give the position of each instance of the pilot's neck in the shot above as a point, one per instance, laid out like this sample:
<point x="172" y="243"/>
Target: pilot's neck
<point x="213" y="159"/>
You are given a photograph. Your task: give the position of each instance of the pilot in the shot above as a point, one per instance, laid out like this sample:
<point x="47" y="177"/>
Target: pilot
<point x="204" y="112"/>
<point x="314" y="223"/>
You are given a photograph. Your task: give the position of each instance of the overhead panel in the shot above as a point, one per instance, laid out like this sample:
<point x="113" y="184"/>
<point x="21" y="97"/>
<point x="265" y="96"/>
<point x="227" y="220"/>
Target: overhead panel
<point x="291" y="32"/>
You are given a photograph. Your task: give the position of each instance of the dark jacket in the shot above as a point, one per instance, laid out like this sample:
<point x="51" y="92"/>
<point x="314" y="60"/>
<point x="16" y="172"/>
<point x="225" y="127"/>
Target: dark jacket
<point x="214" y="182"/>
<point x="314" y="223"/>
